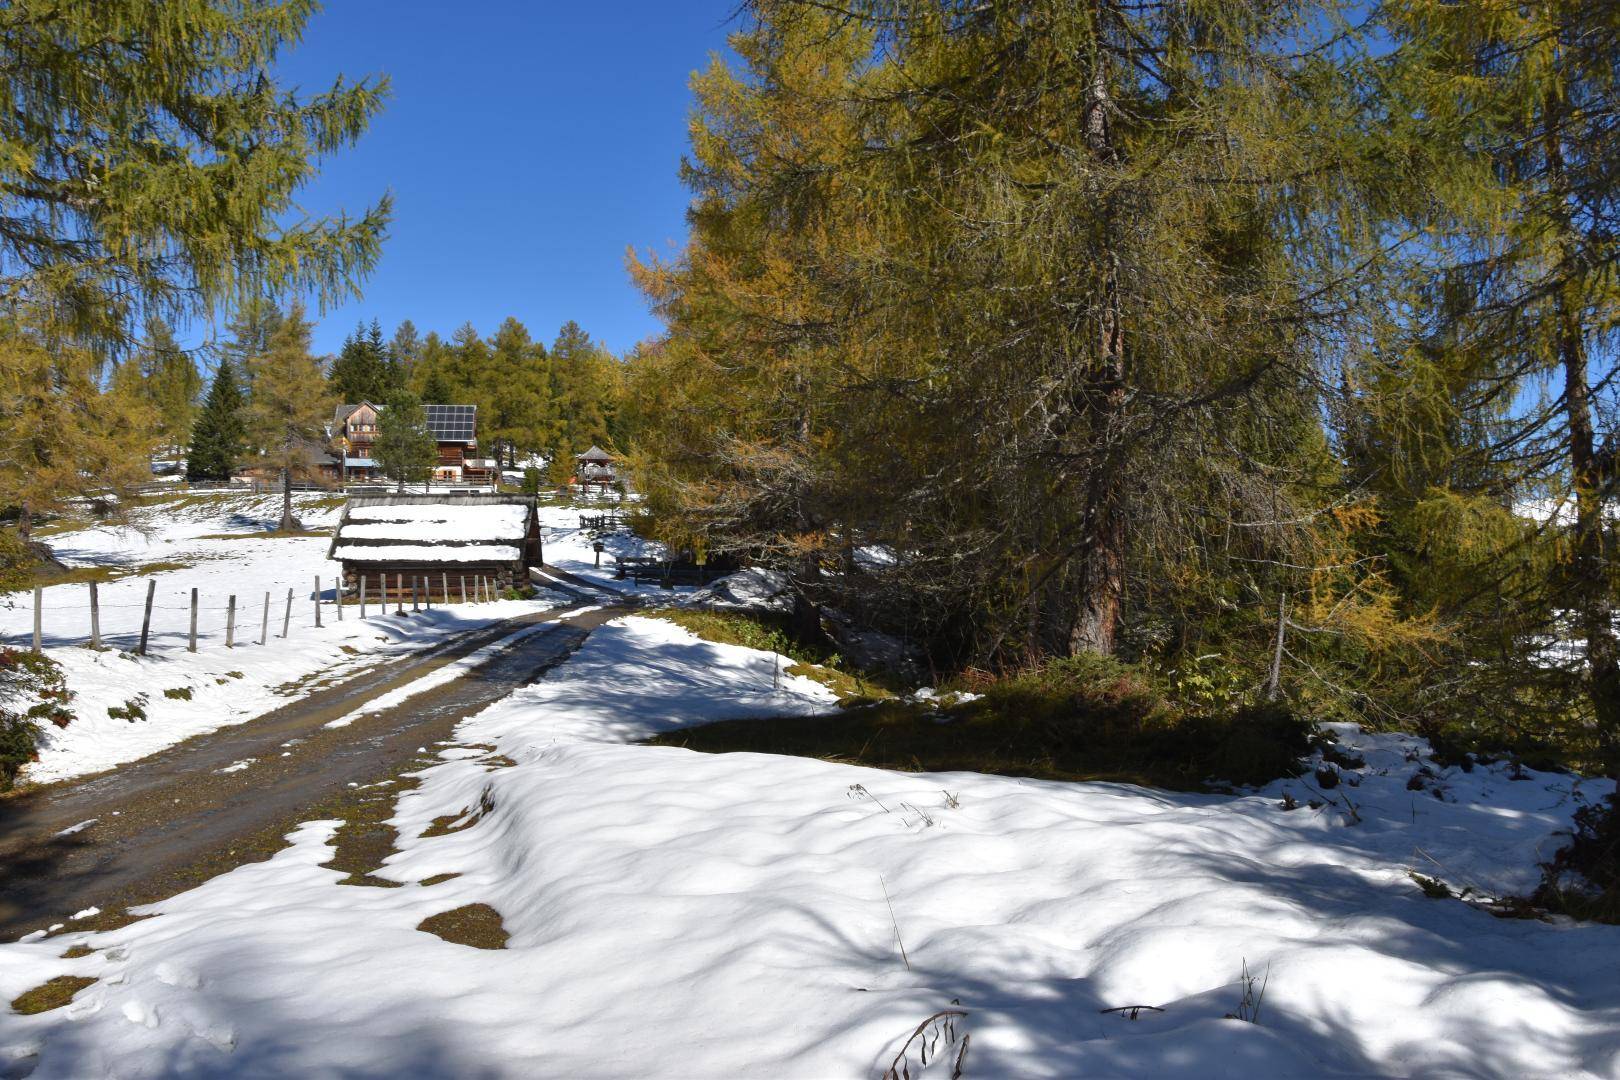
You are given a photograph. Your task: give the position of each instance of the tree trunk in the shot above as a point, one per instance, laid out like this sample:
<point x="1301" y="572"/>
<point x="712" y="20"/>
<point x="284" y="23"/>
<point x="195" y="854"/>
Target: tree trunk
<point x="1590" y="577"/>
<point x="25" y="523"/>
<point x="288" y="522"/>
<point x="1101" y="580"/>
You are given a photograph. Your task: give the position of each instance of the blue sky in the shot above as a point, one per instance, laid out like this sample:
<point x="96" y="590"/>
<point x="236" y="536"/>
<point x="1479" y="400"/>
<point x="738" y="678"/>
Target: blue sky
<point x="526" y="145"/>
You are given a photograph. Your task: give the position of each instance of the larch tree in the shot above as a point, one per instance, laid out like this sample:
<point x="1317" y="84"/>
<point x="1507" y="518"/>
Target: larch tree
<point x="163" y="374"/>
<point x="62" y="436"/>
<point x="1519" y="103"/>
<point x="289" y="407"/>
<point x="153" y="158"/>
<point x="1031" y="293"/>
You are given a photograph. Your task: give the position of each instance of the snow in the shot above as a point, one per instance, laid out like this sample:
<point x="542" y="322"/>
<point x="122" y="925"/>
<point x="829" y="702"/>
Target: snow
<point x="673" y="913"/>
<point x="457" y="553"/>
<point x="216" y="537"/>
<point x="442" y="521"/>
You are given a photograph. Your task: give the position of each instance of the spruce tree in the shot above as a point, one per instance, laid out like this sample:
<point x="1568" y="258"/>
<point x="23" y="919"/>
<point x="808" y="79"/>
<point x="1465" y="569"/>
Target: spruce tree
<point x="405" y="447"/>
<point x="218" y="440"/>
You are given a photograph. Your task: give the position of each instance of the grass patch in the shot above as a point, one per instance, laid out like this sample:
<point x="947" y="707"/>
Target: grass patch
<point x="178" y="693"/>
<point x="437" y="879"/>
<point x="477" y="925"/>
<point x="1077" y="719"/>
<point x="77" y="951"/>
<point x="366" y="839"/>
<point x="52" y="995"/>
<point x="84" y="575"/>
<point x="768" y="632"/>
<point x="446" y="824"/>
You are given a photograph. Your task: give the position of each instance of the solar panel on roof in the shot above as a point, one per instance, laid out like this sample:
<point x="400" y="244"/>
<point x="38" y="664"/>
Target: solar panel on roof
<point x="452" y="423"/>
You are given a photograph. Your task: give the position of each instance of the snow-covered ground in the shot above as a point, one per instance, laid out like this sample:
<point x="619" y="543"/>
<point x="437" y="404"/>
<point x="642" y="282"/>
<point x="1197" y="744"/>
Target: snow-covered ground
<point x="217" y="539"/>
<point x="680" y="914"/>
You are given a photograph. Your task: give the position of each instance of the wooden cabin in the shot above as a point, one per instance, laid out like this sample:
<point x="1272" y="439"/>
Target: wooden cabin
<point x="399" y="542"/>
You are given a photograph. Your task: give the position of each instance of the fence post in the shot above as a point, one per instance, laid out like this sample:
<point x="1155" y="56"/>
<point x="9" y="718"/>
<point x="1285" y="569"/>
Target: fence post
<point x="317" y="600"/>
<point x="264" y="624"/>
<point x="463" y="588"/>
<point x="146" y="619"/>
<point x="95" y="617"/>
<point x="444" y="584"/>
<point x="416" y="592"/>
<point x="191" y="639"/>
<point x="39" y="604"/>
<point x="286" y="616"/>
<point x="362" y="594"/>
<point x="399" y="593"/>
<point x="337" y="595"/>
<point x="427" y="591"/>
<point x="230" y="622"/>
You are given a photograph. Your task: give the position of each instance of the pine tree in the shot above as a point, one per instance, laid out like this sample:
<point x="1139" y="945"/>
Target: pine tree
<point x="289" y="406"/>
<point x="218" y="441"/>
<point x="405" y="446"/>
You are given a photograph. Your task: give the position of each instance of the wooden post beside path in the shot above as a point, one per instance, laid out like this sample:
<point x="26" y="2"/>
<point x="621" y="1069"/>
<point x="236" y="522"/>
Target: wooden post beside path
<point x="463" y="588"/>
<point x="146" y="619"/>
<point x="399" y="593"/>
<point x="363" y="594"/>
<point x="286" y="616"/>
<point x="264" y="625"/>
<point x="230" y="622"/>
<point x="39" y="623"/>
<point x="317" y="600"/>
<point x="95" y="617"/>
<point x="337" y="595"/>
<point x="444" y="584"/>
<point x="191" y="640"/>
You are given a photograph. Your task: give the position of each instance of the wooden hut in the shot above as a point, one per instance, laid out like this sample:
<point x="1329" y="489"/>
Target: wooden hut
<point x="398" y="543"/>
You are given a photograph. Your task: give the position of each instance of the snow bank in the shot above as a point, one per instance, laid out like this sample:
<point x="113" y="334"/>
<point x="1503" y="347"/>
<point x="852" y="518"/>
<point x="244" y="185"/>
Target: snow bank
<point x="673" y="913"/>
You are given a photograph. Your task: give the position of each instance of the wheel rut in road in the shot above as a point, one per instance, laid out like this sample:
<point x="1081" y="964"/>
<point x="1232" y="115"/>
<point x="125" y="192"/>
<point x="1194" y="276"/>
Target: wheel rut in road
<point x="185" y="814"/>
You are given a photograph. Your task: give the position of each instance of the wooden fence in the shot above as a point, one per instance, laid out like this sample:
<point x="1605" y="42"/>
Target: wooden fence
<point x="238" y="610"/>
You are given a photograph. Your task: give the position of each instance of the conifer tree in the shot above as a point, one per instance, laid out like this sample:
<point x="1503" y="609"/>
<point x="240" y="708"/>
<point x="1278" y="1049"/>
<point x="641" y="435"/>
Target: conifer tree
<point x="62" y="435"/>
<point x="163" y="375"/>
<point x="163" y="156"/>
<point x="363" y="370"/>
<point x="218" y="441"/>
<point x="289" y="406"/>
<point x="405" y="446"/>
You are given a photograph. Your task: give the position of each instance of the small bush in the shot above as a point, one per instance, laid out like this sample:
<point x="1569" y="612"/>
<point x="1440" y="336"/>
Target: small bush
<point x="1593" y="854"/>
<point x="132" y="710"/>
<point x="532" y="479"/>
<point x="34" y="679"/>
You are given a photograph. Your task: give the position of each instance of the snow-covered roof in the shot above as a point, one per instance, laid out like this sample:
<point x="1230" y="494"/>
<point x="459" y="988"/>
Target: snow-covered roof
<point x="450" y="553"/>
<point x="434" y="530"/>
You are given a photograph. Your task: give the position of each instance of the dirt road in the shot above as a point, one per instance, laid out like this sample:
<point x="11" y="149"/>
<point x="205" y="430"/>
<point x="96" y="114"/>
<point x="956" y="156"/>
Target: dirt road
<point x="152" y="827"/>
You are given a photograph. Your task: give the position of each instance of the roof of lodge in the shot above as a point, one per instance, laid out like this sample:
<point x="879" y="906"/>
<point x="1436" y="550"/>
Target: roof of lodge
<point x="448" y="423"/>
<point x="595" y="453"/>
